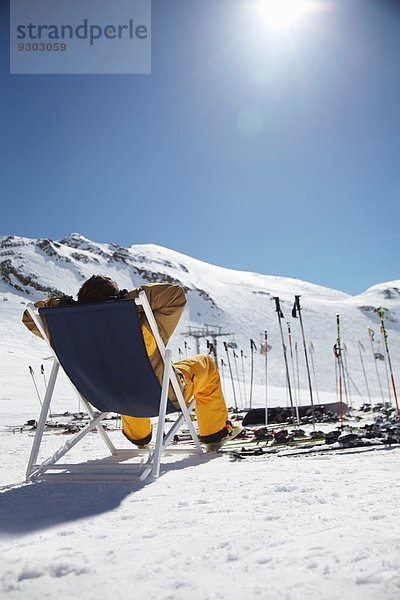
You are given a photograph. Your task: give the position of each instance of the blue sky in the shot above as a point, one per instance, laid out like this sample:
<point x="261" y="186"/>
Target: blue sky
<point x="276" y="151"/>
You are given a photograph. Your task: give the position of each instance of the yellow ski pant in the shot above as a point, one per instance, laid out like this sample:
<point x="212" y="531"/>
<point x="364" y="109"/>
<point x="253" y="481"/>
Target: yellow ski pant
<point x="204" y="385"/>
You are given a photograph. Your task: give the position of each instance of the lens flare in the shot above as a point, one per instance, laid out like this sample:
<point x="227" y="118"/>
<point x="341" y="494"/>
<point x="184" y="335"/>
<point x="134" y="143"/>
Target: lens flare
<point x="281" y="14"/>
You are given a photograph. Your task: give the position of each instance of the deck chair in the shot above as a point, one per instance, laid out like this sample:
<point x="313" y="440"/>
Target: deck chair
<point x="101" y="349"/>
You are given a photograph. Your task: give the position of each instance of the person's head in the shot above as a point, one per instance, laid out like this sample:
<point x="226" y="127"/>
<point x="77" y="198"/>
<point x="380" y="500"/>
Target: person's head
<point x="98" y="289"/>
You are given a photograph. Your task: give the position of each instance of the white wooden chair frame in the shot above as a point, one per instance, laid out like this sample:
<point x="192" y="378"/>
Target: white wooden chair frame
<point x="114" y="470"/>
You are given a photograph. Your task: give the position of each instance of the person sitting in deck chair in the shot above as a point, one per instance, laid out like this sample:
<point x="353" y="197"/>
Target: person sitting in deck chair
<point x="198" y="376"/>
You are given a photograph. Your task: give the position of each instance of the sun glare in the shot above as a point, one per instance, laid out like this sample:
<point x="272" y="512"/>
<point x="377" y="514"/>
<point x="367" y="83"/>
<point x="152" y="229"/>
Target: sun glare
<point x="281" y="14"/>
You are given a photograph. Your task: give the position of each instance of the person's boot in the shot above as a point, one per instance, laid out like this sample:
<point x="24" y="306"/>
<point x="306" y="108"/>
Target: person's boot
<point x="235" y="431"/>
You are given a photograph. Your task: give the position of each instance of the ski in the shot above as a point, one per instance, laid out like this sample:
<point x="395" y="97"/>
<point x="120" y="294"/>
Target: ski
<point x="349" y="449"/>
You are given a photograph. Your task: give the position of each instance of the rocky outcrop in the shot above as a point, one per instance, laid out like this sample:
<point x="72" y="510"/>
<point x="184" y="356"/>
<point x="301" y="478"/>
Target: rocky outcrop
<point x="23" y="283"/>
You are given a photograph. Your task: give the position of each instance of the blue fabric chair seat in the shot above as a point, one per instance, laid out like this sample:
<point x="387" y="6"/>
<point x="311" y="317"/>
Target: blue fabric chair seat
<point x="102" y="350"/>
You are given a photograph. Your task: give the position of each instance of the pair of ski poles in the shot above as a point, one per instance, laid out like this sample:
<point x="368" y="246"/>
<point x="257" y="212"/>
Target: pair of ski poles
<point x="342" y="368"/>
<point x="385" y="337"/>
<point x="296" y="313"/>
<point x="32" y="372"/>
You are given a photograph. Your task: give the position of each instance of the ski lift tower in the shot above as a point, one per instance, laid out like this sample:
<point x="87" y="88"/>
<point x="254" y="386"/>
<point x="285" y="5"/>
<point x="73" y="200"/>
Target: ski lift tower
<point x="208" y="331"/>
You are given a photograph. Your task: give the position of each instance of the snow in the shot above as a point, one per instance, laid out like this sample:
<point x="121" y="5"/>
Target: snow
<point x="277" y="527"/>
<point x="316" y="527"/>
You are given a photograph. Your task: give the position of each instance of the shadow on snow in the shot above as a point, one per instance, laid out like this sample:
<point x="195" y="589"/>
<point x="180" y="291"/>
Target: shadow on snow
<point x="30" y="507"/>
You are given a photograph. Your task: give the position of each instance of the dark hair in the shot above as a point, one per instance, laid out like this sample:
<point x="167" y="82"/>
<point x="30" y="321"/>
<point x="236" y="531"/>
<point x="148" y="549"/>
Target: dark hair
<point x="98" y="289"/>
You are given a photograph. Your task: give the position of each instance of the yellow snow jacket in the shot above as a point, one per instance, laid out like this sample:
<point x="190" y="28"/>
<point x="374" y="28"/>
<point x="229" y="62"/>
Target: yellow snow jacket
<point x="167" y="302"/>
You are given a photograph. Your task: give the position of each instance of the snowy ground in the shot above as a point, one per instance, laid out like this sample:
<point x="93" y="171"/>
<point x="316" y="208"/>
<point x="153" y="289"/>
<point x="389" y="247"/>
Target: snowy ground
<point x="208" y="528"/>
<point x="315" y="527"/>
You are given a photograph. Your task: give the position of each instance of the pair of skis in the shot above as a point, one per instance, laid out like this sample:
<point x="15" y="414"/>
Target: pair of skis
<point x="311" y="449"/>
<point x="295" y="443"/>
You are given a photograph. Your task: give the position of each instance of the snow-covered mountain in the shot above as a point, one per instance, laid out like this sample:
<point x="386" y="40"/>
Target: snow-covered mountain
<point x="241" y="303"/>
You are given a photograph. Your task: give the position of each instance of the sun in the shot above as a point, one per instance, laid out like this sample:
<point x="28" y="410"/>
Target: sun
<point x="281" y="14"/>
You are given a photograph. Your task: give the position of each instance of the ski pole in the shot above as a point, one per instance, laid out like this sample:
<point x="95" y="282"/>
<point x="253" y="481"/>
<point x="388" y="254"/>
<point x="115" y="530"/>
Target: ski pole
<point x="336" y="373"/>
<point x="385" y="337"/>
<point x="340" y="367"/>
<point x="223" y="376"/>
<point x="231" y="374"/>
<point x="339" y="386"/>
<point x="266" y="376"/>
<point x="361" y="349"/>
<point x="385" y="362"/>
<point x="344" y="380"/>
<point x="371" y="334"/>
<point x="186" y="348"/>
<point x="242" y="355"/>
<point x="31" y="371"/>
<point x="348" y="378"/>
<point x="45" y="385"/>
<point x="296" y="401"/>
<point x="252" y="348"/>
<point x="296" y="352"/>
<point x="44" y="375"/>
<point x="235" y="356"/>
<point x="312" y="350"/>
<point x="289" y="387"/>
<point x="387" y="381"/>
<point x="297" y="311"/>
